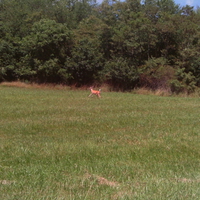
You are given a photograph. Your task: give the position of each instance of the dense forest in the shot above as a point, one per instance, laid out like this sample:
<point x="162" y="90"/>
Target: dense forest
<point x="150" y="43"/>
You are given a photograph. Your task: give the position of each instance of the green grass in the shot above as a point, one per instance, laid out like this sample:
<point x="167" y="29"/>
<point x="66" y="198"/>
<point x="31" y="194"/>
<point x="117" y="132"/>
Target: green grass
<point x="60" y="144"/>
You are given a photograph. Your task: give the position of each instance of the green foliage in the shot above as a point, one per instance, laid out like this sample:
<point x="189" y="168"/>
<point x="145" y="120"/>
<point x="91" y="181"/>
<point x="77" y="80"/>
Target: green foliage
<point x="121" y="73"/>
<point x="86" y="61"/>
<point x="185" y="82"/>
<point x="85" y="64"/>
<point x="6" y="56"/>
<point x="50" y="71"/>
<point x="133" y="38"/>
<point x="8" y="51"/>
<point x="47" y="39"/>
<point x="45" y="50"/>
<point x="156" y="74"/>
<point x="81" y="42"/>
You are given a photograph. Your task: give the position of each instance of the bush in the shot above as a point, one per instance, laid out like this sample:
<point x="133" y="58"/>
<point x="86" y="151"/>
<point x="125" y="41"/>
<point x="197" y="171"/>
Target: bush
<point x="184" y="82"/>
<point x="85" y="64"/>
<point x="51" y="71"/>
<point x="156" y="74"/>
<point x="121" y="74"/>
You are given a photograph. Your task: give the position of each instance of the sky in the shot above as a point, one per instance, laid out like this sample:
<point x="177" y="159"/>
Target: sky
<point x="194" y="3"/>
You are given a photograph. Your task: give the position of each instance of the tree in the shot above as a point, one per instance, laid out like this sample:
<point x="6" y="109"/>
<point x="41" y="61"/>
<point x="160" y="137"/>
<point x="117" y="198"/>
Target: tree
<point x="151" y="43"/>
<point x="156" y="73"/>
<point x="86" y="62"/>
<point x="48" y="44"/>
<point x="121" y="73"/>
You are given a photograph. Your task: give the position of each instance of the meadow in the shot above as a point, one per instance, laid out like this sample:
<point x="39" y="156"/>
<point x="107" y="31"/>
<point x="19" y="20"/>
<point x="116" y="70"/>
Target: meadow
<point x="58" y="144"/>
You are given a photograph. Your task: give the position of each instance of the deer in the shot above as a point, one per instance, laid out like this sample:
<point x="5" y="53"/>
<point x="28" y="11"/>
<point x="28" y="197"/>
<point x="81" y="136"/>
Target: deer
<point x="95" y="92"/>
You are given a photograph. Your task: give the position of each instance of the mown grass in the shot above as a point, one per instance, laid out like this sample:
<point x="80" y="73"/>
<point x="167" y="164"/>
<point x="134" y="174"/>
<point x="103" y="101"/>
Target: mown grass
<point x="60" y="144"/>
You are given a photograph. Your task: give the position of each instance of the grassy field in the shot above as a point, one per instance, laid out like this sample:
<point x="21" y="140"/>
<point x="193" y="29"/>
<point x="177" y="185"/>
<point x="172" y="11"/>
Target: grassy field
<point x="59" y="144"/>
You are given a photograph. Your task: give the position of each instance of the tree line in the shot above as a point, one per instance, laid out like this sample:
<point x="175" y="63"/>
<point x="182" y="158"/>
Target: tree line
<point x="129" y="44"/>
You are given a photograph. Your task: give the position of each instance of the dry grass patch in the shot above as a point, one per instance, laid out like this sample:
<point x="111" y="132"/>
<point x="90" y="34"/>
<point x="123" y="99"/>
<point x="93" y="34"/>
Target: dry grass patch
<point x="101" y="180"/>
<point x="158" y="92"/>
<point x="186" y="180"/>
<point x="6" y="182"/>
<point x="34" y="85"/>
<point x="104" y="181"/>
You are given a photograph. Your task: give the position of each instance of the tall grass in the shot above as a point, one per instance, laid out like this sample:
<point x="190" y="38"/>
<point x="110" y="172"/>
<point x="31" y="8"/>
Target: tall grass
<point x="60" y="144"/>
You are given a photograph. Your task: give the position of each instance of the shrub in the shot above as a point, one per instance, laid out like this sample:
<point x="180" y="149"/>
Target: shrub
<point x="156" y="74"/>
<point x="184" y="82"/>
<point x="121" y="74"/>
